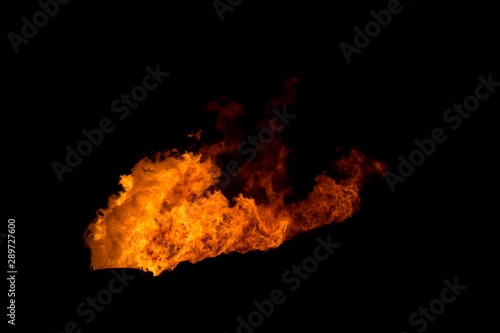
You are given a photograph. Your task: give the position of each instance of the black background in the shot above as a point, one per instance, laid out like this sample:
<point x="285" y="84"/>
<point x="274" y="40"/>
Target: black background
<point x="396" y="251"/>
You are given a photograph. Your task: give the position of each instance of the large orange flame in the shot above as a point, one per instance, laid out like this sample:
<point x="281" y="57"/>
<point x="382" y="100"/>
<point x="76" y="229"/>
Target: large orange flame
<point x="172" y="208"/>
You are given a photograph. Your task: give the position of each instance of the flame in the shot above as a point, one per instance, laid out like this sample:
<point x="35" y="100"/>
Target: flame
<point x="172" y="208"/>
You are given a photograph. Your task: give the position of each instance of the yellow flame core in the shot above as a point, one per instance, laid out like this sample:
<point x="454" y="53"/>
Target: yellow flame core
<point x="170" y="211"/>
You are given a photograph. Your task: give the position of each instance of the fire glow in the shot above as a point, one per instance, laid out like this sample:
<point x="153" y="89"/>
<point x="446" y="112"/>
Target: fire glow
<point x="173" y="207"/>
